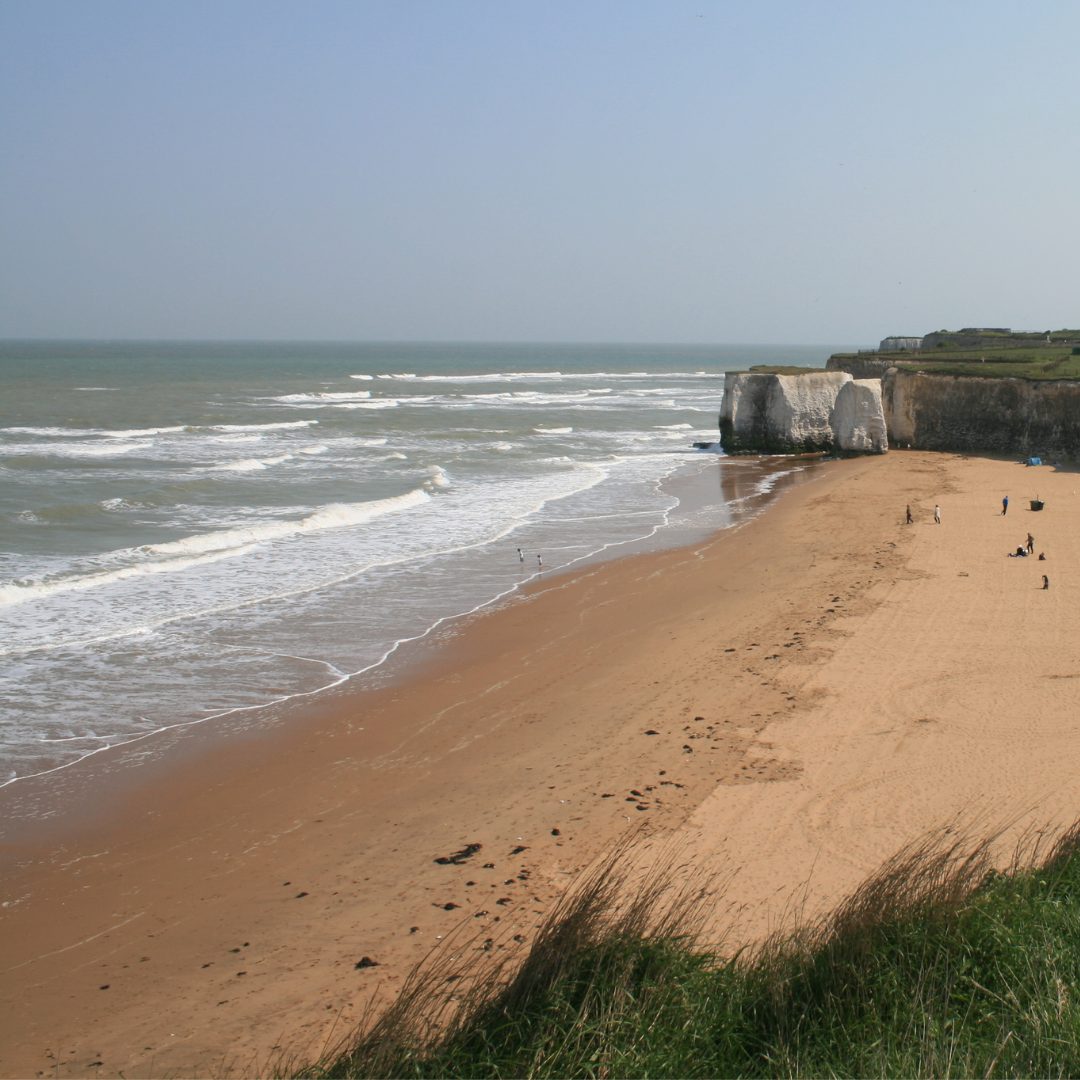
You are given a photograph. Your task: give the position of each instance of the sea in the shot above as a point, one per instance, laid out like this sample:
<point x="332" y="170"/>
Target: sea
<point x="198" y="530"/>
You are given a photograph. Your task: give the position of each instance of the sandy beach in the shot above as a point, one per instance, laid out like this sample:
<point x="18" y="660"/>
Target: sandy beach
<point x="790" y="701"/>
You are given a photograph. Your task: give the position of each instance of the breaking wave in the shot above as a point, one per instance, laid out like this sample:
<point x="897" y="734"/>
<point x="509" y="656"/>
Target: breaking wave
<point x="175" y="555"/>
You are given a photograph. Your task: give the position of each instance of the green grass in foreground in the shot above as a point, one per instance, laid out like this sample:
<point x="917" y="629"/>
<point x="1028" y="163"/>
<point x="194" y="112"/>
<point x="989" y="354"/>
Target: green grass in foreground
<point x="937" y="966"/>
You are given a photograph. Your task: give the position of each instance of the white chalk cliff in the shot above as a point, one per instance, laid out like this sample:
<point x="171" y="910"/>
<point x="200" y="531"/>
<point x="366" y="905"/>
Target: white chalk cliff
<point x="788" y="414"/>
<point x="858" y="418"/>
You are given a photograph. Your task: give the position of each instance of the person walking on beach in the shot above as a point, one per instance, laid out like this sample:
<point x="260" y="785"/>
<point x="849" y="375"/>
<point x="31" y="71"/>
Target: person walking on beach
<point x="521" y="555"/>
<point x="937" y="514"/>
<point x="1005" y="506"/>
<point x="1031" y="544"/>
<point x="1046" y="582"/>
<point x="910" y="519"/>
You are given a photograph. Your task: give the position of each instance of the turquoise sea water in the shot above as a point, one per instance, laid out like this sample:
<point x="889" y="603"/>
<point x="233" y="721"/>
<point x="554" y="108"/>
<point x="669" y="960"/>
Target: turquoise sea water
<point x="192" y="529"/>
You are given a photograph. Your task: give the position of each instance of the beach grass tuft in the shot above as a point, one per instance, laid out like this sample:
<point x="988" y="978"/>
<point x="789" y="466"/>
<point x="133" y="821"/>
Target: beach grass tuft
<point x="938" y="965"/>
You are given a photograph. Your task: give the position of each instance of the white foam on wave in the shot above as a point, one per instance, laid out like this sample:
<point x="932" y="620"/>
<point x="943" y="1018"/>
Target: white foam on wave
<point x="510" y="376"/>
<point x="283" y="425"/>
<point x="92" y="433"/>
<point x="353" y="441"/>
<point x="321" y="448"/>
<point x="439" y="479"/>
<point x="648" y="439"/>
<point x="674" y="427"/>
<point x="333" y="516"/>
<point x="251" y="464"/>
<point x="380" y="403"/>
<point x="553" y="430"/>
<point x="529" y="397"/>
<point x="518" y="399"/>
<point x="364" y="378"/>
<point x="141" y="433"/>
<point x="53" y="432"/>
<point x="321" y="398"/>
<point x="176" y="555"/>
<point x="76" y="450"/>
<point x="247" y="465"/>
<point x="767" y="483"/>
<point x="18" y="592"/>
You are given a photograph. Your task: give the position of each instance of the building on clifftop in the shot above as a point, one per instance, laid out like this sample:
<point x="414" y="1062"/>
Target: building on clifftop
<point x="900" y="344"/>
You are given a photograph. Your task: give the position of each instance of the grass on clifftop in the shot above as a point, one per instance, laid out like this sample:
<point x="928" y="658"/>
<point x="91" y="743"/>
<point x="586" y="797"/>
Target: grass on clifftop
<point x="781" y="369"/>
<point x="937" y="966"/>
<point x="1041" y="363"/>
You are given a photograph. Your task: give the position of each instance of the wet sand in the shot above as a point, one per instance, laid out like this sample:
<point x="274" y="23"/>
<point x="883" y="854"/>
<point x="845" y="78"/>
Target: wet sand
<point x="790" y="700"/>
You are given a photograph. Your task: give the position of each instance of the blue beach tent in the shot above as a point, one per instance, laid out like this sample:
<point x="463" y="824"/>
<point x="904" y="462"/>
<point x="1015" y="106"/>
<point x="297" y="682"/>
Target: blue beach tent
<point x="1034" y="460"/>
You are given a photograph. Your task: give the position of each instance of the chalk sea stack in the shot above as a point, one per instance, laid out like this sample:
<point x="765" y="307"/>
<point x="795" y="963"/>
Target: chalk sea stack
<point x="775" y="413"/>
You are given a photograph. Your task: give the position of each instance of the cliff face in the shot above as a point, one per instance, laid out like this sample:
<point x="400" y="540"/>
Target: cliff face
<point x="860" y="367"/>
<point x="858" y="418"/>
<point x="1005" y="416"/>
<point x="791" y="414"/>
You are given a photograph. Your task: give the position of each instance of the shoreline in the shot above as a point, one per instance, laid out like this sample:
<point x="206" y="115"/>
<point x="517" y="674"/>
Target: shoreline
<point x="60" y="801"/>
<point x="791" y="699"/>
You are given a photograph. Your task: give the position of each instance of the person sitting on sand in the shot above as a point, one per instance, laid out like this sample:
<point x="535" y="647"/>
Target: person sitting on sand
<point x="1042" y="556"/>
<point x="1019" y="553"/>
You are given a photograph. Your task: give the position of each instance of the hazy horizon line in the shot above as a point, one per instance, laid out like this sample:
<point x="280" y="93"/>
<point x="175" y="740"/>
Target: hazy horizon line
<point x="18" y="340"/>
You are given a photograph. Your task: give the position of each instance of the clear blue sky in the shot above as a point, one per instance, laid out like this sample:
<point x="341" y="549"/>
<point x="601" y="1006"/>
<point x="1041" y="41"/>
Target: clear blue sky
<point x="575" y="170"/>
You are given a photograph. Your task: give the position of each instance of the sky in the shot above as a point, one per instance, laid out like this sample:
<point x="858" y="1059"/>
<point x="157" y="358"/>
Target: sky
<point x="566" y="170"/>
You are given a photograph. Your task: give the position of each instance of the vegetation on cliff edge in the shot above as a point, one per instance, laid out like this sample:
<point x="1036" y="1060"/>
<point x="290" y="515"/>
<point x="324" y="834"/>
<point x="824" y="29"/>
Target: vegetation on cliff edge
<point x="1043" y="361"/>
<point x="937" y="966"/>
<point x="782" y="369"/>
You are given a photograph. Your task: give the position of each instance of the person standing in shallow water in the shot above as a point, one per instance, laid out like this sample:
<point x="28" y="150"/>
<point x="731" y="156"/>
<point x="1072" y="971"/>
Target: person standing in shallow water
<point x="1005" y="506"/>
<point x="937" y="514"/>
<point x="539" y="563"/>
